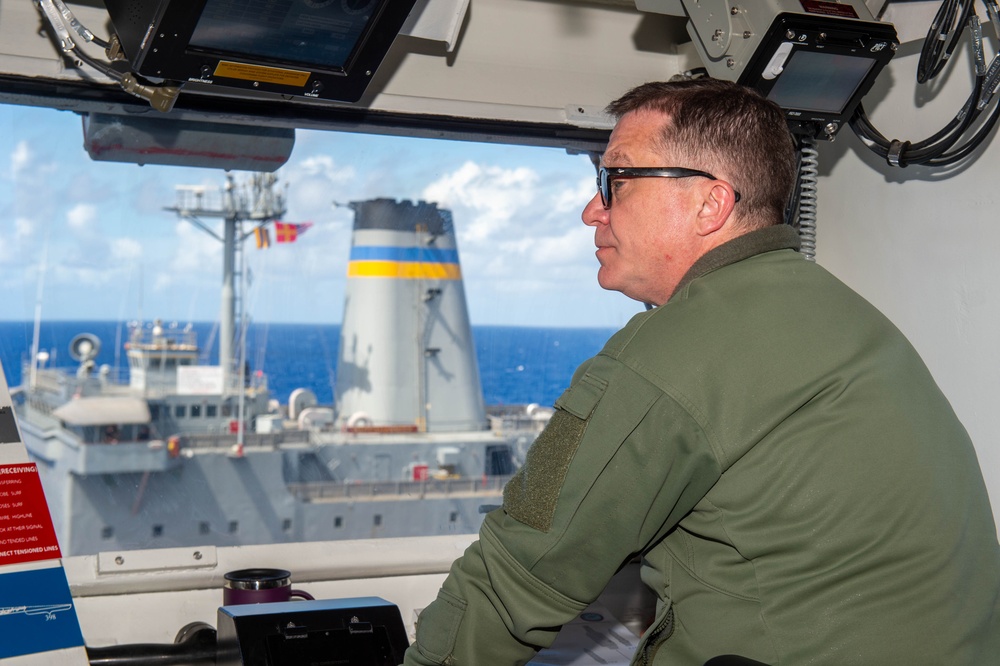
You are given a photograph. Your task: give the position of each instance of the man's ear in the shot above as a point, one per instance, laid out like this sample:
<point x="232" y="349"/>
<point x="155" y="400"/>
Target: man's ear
<point x="716" y="207"/>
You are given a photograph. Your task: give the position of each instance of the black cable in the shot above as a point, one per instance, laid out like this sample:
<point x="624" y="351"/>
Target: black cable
<point x="944" y="147"/>
<point x="931" y="59"/>
<point x="195" y="644"/>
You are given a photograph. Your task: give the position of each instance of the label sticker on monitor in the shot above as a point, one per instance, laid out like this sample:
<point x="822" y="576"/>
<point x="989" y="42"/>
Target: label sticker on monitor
<point x="245" y="72"/>
<point x="828" y="8"/>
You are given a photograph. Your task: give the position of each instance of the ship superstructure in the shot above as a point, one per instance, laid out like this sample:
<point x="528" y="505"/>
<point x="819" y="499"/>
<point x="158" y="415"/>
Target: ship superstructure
<point x="184" y="453"/>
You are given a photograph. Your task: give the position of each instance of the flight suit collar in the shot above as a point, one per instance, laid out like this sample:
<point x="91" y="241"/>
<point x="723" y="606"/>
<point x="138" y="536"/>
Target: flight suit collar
<point x="758" y="241"/>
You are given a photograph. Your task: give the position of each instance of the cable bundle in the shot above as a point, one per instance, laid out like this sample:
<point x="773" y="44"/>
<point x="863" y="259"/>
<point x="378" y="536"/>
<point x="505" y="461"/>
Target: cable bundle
<point x="946" y="147"/>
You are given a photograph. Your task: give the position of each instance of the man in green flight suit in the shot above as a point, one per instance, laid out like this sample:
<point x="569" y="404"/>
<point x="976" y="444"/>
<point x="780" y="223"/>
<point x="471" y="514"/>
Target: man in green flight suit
<point x="774" y="449"/>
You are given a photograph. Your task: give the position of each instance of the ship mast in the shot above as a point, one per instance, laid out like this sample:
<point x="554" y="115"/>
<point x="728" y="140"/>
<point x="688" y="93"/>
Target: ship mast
<point x="257" y="202"/>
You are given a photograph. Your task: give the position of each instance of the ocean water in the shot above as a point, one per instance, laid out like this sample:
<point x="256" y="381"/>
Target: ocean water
<point x="517" y="365"/>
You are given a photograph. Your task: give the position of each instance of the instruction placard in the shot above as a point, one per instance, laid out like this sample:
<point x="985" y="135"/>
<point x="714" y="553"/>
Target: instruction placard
<point x="26" y="531"/>
<point x="37" y="613"/>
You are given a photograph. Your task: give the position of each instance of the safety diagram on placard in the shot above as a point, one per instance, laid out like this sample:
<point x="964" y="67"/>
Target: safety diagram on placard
<point x="36" y="612"/>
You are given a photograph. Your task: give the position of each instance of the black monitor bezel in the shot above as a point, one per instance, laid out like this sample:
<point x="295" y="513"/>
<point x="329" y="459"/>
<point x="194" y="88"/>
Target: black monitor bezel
<point x="164" y="52"/>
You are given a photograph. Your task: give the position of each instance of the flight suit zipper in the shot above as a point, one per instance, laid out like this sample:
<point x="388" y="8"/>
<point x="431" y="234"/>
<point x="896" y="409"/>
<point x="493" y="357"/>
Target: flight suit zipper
<point x="654" y="638"/>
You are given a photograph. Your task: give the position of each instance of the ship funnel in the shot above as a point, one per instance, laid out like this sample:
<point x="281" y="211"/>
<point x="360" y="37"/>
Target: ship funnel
<point x="407" y="359"/>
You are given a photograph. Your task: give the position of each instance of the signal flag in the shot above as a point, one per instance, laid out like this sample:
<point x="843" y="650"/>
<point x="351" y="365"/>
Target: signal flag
<point x="288" y="232"/>
<point x="263" y="237"/>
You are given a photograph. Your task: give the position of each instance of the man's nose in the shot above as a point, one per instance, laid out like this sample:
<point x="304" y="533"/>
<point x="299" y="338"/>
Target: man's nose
<point x="594" y="212"/>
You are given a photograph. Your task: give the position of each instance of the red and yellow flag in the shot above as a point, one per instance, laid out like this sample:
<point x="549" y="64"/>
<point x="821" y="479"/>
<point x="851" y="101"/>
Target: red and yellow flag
<point x="288" y="232"/>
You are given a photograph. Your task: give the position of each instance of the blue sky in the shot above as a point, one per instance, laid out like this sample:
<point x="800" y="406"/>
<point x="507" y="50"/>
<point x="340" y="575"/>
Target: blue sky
<point x="110" y="251"/>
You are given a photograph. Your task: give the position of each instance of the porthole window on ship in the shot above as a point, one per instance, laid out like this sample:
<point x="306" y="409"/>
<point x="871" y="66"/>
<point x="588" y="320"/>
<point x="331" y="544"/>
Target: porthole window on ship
<point x="204" y="528"/>
<point x="286" y="525"/>
<point x="180" y="411"/>
<point x="107" y="533"/>
<point x="453" y="517"/>
<point x="196" y="411"/>
<point x="211" y="411"/>
<point x="234" y="526"/>
<point x="378" y="519"/>
<point x="338" y="522"/>
<point x="157" y="530"/>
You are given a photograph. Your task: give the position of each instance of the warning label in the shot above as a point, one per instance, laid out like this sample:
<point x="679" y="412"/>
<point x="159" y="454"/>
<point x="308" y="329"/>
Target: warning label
<point x="245" y="72"/>
<point x="828" y="8"/>
<point x="26" y="531"/>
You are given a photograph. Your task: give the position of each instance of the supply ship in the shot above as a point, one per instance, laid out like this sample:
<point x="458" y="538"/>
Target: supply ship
<point x="186" y="454"/>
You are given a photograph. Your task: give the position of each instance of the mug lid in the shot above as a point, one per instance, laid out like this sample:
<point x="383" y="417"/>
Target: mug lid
<point x="258" y="579"/>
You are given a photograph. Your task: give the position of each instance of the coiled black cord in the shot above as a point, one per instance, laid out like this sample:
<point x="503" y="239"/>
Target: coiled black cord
<point x="949" y="145"/>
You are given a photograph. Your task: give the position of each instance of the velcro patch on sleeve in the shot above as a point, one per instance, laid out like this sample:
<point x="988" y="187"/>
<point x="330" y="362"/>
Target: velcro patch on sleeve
<point x="530" y="496"/>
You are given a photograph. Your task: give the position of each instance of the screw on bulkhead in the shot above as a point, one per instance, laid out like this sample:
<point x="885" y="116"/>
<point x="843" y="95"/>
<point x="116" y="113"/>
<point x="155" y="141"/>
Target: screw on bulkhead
<point x="197" y="554"/>
<point x="734" y="10"/>
<point x="119" y="560"/>
<point x="730" y="63"/>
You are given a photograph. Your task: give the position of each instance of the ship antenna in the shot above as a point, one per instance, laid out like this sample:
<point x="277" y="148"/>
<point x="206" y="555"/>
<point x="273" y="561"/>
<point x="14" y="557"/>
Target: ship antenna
<point x="235" y="206"/>
<point x="36" y="332"/>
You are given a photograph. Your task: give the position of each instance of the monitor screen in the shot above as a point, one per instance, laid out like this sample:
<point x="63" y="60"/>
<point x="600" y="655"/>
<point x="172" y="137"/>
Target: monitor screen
<point x="818" y="81"/>
<point x="322" y="33"/>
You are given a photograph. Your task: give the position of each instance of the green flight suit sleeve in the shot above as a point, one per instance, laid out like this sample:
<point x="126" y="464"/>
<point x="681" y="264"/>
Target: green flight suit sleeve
<point x="620" y="463"/>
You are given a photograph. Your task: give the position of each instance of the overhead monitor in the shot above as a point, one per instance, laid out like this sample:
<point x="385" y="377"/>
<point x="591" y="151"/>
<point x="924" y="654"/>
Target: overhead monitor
<point x="324" y="49"/>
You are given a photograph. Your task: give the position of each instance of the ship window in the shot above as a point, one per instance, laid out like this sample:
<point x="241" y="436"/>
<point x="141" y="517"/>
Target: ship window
<point x="205" y="488"/>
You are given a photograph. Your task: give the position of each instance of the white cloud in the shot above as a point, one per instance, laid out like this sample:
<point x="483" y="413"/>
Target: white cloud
<point x="197" y="257"/>
<point x="126" y="250"/>
<point x="81" y="217"/>
<point x="24" y="228"/>
<point x="20" y="158"/>
<point x="487" y="201"/>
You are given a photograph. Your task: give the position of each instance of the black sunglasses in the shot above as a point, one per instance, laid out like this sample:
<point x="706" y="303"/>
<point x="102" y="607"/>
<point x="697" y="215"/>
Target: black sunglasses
<point x="606" y="175"/>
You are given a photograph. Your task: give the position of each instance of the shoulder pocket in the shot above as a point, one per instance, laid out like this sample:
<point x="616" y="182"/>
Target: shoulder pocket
<point x="581" y="399"/>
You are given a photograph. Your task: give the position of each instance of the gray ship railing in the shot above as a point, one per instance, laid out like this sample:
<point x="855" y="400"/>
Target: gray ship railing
<point x="250" y="440"/>
<point x="326" y="490"/>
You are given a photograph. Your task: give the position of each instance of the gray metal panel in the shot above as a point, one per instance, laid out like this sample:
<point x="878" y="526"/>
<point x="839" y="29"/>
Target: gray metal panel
<point x="101" y="410"/>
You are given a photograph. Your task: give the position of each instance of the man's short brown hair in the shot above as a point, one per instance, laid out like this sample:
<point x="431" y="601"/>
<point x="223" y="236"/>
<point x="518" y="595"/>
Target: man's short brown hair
<point x="724" y="128"/>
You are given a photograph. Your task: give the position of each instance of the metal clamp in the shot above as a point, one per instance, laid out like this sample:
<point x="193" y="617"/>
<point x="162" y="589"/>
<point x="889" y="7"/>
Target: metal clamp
<point x="894" y="157"/>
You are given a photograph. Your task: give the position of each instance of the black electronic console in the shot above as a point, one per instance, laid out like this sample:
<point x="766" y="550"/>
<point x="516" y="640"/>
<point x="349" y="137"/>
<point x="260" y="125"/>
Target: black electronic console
<point x="362" y="631"/>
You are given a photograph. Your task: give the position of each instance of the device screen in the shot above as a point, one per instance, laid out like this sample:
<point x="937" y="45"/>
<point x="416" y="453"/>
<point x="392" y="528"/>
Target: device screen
<point x="820" y="82"/>
<point x="317" y="32"/>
